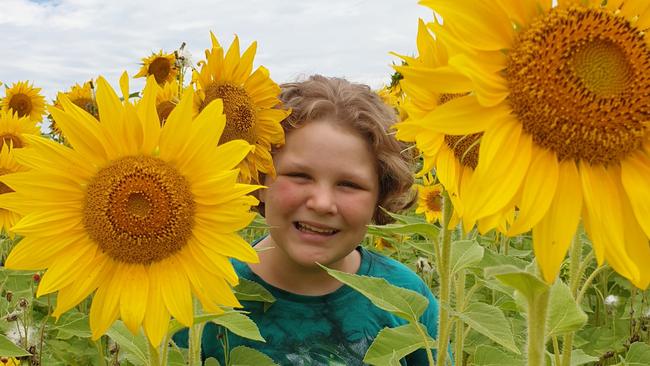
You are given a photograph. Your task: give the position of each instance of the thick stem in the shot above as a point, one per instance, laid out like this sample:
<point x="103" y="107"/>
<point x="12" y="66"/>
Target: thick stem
<point x="575" y="275"/>
<point x="196" y="332"/>
<point x="460" y="306"/>
<point x="537" y="313"/>
<point x="444" y="272"/>
<point x="154" y="357"/>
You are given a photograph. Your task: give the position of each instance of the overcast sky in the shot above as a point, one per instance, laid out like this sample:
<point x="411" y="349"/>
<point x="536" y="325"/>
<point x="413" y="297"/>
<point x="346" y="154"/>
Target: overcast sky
<point x="56" y="43"/>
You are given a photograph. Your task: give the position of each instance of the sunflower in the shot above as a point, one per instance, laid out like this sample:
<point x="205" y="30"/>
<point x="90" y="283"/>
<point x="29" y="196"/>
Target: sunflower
<point x="454" y="157"/>
<point x="394" y="96"/>
<point x="82" y="96"/>
<point x="14" y="128"/>
<point x="143" y="216"/>
<point x="161" y="65"/>
<point x="561" y="95"/>
<point x="25" y="100"/>
<point x="429" y="199"/>
<point x="166" y="100"/>
<point x="7" y="165"/>
<point x="249" y="99"/>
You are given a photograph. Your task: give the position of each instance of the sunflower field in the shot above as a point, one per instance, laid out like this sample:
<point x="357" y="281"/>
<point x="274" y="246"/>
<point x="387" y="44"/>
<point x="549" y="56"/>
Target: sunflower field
<point x="530" y="120"/>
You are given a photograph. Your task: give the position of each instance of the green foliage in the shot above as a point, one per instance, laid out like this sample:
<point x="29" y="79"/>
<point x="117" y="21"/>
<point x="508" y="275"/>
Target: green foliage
<point x="239" y="324"/>
<point x="245" y="356"/>
<point x="395" y="343"/>
<point x="490" y="321"/>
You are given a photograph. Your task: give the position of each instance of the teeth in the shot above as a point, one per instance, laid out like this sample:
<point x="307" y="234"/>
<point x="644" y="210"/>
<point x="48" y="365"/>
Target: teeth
<point x="309" y="228"/>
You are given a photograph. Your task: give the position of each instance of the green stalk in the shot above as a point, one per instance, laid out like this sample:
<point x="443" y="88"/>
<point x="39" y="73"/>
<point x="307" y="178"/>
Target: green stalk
<point x="196" y="332"/>
<point x="100" y="351"/>
<point x="444" y="272"/>
<point x="537" y="313"/>
<point x="154" y="359"/>
<point x="165" y="350"/>
<point x="460" y="306"/>
<point x="575" y="275"/>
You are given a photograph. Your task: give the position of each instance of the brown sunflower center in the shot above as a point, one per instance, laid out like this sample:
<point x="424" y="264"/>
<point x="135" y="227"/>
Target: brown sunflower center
<point x="15" y="141"/>
<point x="164" y="109"/>
<point x="239" y="110"/>
<point x="580" y="84"/>
<point x="434" y="201"/>
<point x="160" y="68"/>
<point x="3" y="187"/>
<point x="465" y="148"/>
<point x="21" y="104"/>
<point x="139" y="209"/>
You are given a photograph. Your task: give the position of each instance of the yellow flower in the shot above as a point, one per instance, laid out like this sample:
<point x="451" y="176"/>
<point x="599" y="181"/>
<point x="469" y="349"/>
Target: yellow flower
<point x="561" y="95"/>
<point x="250" y="100"/>
<point x="161" y="65"/>
<point x="394" y="97"/>
<point x="382" y="243"/>
<point x="166" y="100"/>
<point x="143" y="216"/>
<point x="429" y="199"/>
<point x="7" y="165"/>
<point x="454" y="157"/>
<point x="13" y="128"/>
<point x="82" y="96"/>
<point x="25" y="100"/>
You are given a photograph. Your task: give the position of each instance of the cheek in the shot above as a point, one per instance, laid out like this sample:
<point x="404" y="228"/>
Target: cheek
<point x="359" y="209"/>
<point x="282" y="196"/>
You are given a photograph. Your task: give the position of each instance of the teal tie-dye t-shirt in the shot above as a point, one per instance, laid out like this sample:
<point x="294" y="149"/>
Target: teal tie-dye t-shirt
<point x="333" y="329"/>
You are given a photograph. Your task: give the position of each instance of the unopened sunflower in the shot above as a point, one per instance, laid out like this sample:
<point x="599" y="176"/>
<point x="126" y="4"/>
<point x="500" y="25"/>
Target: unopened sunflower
<point x="161" y="66"/>
<point x="25" y="100"/>
<point x="143" y="216"/>
<point x="250" y="100"/>
<point x="562" y="97"/>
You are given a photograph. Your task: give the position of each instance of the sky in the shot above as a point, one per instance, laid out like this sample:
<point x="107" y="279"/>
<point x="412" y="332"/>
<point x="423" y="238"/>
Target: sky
<point x="57" y="43"/>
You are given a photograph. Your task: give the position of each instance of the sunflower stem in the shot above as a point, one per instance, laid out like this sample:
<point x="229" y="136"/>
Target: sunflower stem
<point x="196" y="332"/>
<point x="460" y="306"/>
<point x="537" y="313"/>
<point x="444" y="272"/>
<point x="154" y="359"/>
<point x="575" y="275"/>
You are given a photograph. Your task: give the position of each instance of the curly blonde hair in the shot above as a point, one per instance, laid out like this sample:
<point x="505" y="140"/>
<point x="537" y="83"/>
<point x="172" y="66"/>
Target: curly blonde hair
<point x="357" y="107"/>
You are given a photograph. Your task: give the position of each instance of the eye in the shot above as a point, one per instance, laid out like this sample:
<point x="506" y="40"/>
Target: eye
<point x="350" y="184"/>
<point x="296" y="175"/>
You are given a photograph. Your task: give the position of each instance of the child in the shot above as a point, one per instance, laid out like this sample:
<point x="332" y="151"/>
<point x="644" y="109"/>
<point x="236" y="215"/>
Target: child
<point x="338" y="166"/>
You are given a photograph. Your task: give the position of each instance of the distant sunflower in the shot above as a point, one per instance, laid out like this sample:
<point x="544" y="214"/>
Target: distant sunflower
<point x="25" y="100"/>
<point x="146" y="217"/>
<point x="7" y="165"/>
<point x="249" y="99"/>
<point x="429" y="199"/>
<point x="166" y="100"/>
<point x="161" y="65"/>
<point x="561" y="95"/>
<point x="80" y="95"/>
<point x="14" y="128"/>
<point x="454" y="156"/>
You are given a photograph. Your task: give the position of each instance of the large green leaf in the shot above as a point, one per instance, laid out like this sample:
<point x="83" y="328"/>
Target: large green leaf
<point x="248" y="290"/>
<point x="579" y="357"/>
<point x="465" y="253"/>
<point x="71" y="324"/>
<point x="423" y="246"/>
<point x="564" y="313"/>
<point x="239" y="324"/>
<point x="404" y="303"/>
<point x="393" y="344"/>
<point x="526" y="283"/>
<point x="175" y="325"/>
<point x="134" y="347"/>
<point x="490" y="321"/>
<point x="9" y="349"/>
<point x="427" y="230"/>
<point x="638" y="355"/>
<point x="492" y="356"/>
<point x="245" y="356"/>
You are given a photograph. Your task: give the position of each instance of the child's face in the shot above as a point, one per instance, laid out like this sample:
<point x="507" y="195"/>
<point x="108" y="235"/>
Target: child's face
<point x="324" y="195"/>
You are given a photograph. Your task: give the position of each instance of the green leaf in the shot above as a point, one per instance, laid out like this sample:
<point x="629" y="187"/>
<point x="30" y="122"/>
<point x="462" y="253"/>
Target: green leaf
<point x="393" y="344"/>
<point x="248" y="290"/>
<point x="423" y="246"/>
<point x="9" y="349"/>
<point x="404" y="303"/>
<point x="492" y="356"/>
<point x="71" y="324"/>
<point x="526" y="283"/>
<point x="579" y="357"/>
<point x="490" y="321"/>
<point x="465" y="253"/>
<point x="422" y="228"/>
<point x="175" y="357"/>
<point x="638" y="355"/>
<point x="239" y="324"/>
<point x="134" y="347"/>
<point x="175" y="325"/>
<point x="245" y="356"/>
<point x="565" y="315"/>
<point x="211" y="362"/>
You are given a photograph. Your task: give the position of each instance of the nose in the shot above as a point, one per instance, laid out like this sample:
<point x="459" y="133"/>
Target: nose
<point x="322" y="200"/>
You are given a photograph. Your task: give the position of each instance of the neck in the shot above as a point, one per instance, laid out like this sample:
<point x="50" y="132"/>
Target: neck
<point x="276" y="269"/>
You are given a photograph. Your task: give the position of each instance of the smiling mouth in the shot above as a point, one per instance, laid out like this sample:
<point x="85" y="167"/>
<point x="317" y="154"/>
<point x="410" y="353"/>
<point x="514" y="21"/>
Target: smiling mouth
<point x="306" y="228"/>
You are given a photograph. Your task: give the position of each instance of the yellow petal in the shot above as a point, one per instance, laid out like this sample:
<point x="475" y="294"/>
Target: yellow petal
<point x="443" y="79"/>
<point x="175" y="288"/>
<point x="84" y="135"/>
<point x="104" y="309"/>
<point x="464" y="116"/>
<point x="66" y="268"/>
<point x="538" y="190"/>
<point x="148" y="114"/>
<point x="635" y="176"/>
<point x="96" y="272"/>
<point x="133" y="298"/>
<point x="637" y="244"/>
<point x="156" y="319"/>
<point x="490" y="87"/>
<point x="553" y="234"/>
<point x="36" y="253"/>
<point x="175" y="133"/>
<point x="229" y="245"/>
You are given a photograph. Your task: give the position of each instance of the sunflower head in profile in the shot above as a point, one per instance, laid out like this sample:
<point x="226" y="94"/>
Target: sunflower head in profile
<point x="13" y="129"/>
<point x="250" y="100"/>
<point x="167" y="99"/>
<point x="147" y="218"/>
<point x="81" y="95"/>
<point x="25" y="100"/>
<point x="429" y="199"/>
<point x="561" y="95"/>
<point x="8" y="165"/>
<point x="162" y="66"/>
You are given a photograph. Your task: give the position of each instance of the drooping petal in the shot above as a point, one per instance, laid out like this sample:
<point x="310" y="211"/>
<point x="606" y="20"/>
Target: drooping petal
<point x="133" y="299"/>
<point x="635" y="176"/>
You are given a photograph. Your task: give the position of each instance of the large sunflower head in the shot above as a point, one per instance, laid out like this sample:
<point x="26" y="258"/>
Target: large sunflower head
<point x="562" y="97"/>
<point x="162" y="66"/>
<point x="25" y="100"/>
<point x="146" y="219"/>
<point x="13" y="129"/>
<point x="250" y="101"/>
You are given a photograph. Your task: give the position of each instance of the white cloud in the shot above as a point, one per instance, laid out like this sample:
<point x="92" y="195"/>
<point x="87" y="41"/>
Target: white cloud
<point x="58" y="43"/>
